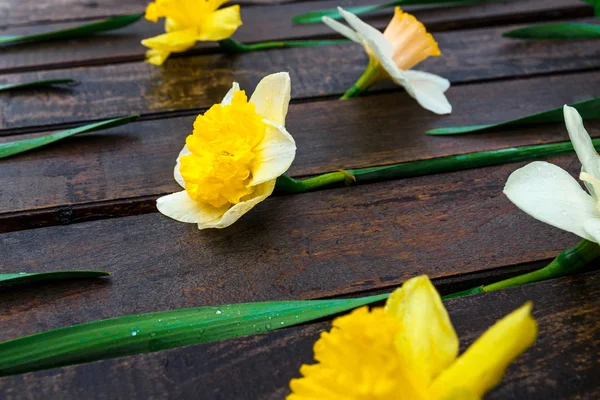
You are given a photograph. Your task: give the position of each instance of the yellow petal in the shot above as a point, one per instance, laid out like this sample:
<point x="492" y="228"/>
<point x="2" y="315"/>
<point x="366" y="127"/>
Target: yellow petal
<point x="483" y="365"/>
<point x="261" y="192"/>
<point x="152" y="13"/>
<point x="221" y="24"/>
<point x="174" y="42"/>
<point x="272" y="97"/>
<point x="274" y="154"/>
<point x="428" y="341"/>
<point x="156" y="57"/>
<point x="181" y="207"/>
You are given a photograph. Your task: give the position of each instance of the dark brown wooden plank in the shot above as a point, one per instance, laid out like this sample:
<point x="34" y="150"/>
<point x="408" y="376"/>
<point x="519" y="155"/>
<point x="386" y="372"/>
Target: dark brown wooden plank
<point x="196" y="82"/>
<point x="122" y="171"/>
<point x="319" y="244"/>
<point x="563" y="363"/>
<point x="267" y="23"/>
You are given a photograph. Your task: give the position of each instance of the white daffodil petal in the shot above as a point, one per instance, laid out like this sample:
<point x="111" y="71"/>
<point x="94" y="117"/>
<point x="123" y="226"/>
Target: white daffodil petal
<point x="272" y="97"/>
<point x="390" y="66"/>
<point x="341" y="29"/>
<point x="181" y="207"/>
<point x="274" y="155"/>
<point x="582" y="142"/>
<point x="441" y="83"/>
<point x="592" y="227"/>
<point x="184" y="152"/>
<point x="428" y="92"/>
<point x="550" y="194"/>
<point x="368" y="33"/>
<point x="229" y="96"/>
<point x="260" y="193"/>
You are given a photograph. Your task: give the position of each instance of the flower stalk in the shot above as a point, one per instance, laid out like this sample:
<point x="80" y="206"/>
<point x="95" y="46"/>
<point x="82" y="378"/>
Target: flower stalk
<point x="372" y="75"/>
<point x="233" y="46"/>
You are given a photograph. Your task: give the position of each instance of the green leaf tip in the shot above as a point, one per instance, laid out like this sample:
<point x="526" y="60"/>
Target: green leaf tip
<point x="38" y="84"/>
<point x="589" y="109"/>
<point x="28" y="277"/>
<point x="144" y="333"/>
<point x="92" y="28"/>
<point x="19" y="146"/>
<point x="555" y="31"/>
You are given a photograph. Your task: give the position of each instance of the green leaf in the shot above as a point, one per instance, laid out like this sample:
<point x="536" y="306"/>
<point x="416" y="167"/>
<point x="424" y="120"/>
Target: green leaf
<point x="36" y="84"/>
<point x="81" y="30"/>
<point x="589" y="109"/>
<point x="11" y="148"/>
<point x="145" y="333"/>
<point x="556" y="31"/>
<point x="26" y="277"/>
<point x="314" y="17"/>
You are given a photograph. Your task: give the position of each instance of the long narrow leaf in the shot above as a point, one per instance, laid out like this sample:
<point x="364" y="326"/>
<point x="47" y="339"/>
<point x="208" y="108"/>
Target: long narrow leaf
<point x="27" y="277"/>
<point x="146" y="333"/>
<point x="36" y="84"/>
<point x="81" y="30"/>
<point x="589" y="109"/>
<point x="11" y="148"/>
<point x="556" y="31"/>
<point x="314" y="17"/>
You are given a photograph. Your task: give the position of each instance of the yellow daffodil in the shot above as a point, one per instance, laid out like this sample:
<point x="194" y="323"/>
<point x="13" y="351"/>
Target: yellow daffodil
<point x="550" y="194"/>
<point x="231" y="161"/>
<point x="408" y="350"/>
<point x="392" y="54"/>
<point x="189" y="21"/>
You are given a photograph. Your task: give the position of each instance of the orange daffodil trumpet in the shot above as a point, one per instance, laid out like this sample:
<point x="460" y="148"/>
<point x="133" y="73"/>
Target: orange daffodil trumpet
<point x="189" y="21"/>
<point x="392" y="54"/>
<point x="236" y="152"/>
<point x="408" y="350"/>
<point x="550" y="194"/>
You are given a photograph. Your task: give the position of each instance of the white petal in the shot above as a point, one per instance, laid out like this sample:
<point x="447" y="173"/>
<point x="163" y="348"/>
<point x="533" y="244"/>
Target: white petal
<point x="229" y="96"/>
<point x="274" y="155"/>
<point x="234" y="213"/>
<point x="428" y="90"/>
<point x="181" y="207"/>
<point x="592" y="227"/>
<point x="341" y="29"/>
<point x="442" y="83"/>
<point x="272" y="97"/>
<point x="368" y="33"/>
<point x="550" y="194"/>
<point x="184" y="152"/>
<point x="582" y="142"/>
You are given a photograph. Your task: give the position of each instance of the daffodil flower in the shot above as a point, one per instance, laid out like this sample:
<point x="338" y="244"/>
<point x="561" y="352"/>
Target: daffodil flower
<point x="409" y="350"/>
<point x="550" y="194"/>
<point x="189" y="21"/>
<point x="403" y="44"/>
<point x="236" y="152"/>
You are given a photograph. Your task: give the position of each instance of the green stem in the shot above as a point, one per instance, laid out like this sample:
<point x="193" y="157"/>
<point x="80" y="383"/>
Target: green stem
<point x="570" y="261"/>
<point x="372" y="75"/>
<point x="233" y="46"/>
<point x="290" y="185"/>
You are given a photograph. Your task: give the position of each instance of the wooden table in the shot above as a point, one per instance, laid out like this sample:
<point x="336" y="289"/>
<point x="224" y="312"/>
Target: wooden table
<point x="89" y="202"/>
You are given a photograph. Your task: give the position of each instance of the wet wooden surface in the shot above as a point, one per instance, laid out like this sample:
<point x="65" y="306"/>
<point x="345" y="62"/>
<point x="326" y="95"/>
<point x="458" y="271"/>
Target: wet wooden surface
<point x="89" y="202"/>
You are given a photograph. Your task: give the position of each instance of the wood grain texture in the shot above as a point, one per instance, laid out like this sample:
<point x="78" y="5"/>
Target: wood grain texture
<point x="199" y="82"/>
<point x="319" y="244"/>
<point x="122" y="171"/>
<point x="267" y="23"/>
<point x="563" y="363"/>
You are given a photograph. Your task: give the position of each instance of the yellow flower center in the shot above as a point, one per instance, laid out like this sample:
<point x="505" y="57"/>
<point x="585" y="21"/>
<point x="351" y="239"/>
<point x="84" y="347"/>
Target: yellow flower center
<point x="410" y="40"/>
<point x="358" y="360"/>
<point x="223" y="147"/>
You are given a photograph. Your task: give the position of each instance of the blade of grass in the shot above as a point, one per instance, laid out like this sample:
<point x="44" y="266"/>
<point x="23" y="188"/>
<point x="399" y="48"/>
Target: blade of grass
<point x="11" y="148"/>
<point x="314" y="17"/>
<point x="151" y="332"/>
<point x="27" y="277"/>
<point x="555" y="31"/>
<point x="81" y="30"/>
<point x="589" y="109"/>
<point x="37" y="84"/>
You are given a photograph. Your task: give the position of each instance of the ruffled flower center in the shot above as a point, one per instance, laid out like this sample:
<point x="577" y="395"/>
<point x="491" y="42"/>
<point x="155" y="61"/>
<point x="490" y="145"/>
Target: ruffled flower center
<point x="410" y="40"/>
<point x="223" y="147"/>
<point x="182" y="13"/>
